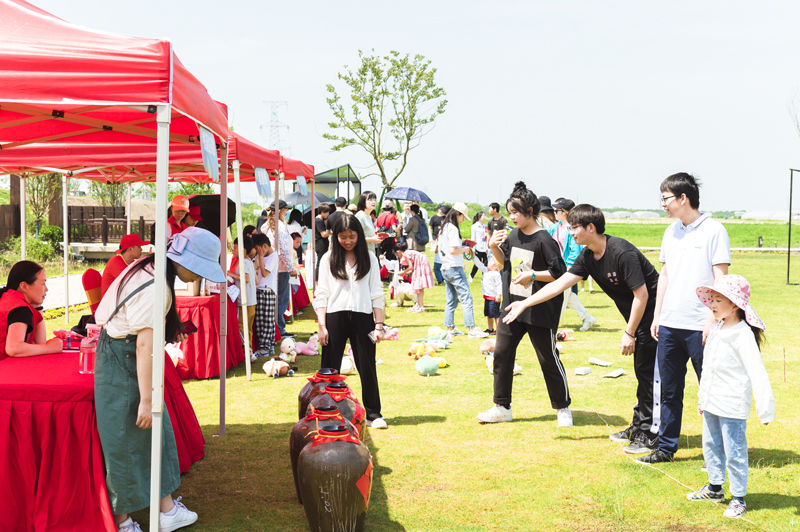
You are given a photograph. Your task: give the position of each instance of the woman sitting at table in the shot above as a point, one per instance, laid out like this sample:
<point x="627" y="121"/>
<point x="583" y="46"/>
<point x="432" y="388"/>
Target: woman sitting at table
<point x="123" y="374"/>
<point x="22" y="329"/>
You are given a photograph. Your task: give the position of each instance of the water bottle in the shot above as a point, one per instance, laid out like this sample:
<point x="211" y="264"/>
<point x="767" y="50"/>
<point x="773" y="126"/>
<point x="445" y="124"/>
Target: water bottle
<point x="86" y="358"/>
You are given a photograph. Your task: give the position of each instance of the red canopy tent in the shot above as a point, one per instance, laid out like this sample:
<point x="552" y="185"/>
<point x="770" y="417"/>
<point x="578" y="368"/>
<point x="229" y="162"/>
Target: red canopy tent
<point x="61" y="82"/>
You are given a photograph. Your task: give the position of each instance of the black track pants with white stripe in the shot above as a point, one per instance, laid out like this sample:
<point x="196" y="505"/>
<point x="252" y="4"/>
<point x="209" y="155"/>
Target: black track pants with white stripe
<point x="544" y="343"/>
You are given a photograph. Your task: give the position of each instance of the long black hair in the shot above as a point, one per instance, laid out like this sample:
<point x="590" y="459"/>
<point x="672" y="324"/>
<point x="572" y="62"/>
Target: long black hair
<point x="24" y="271"/>
<point x="452" y="218"/>
<point x="338" y="260"/>
<point x="758" y="333"/>
<point x="172" y="326"/>
<point x="524" y="200"/>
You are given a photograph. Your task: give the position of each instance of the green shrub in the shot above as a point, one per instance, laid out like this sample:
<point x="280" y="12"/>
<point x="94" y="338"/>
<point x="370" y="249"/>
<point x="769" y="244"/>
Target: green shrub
<point x="53" y="235"/>
<point x="40" y="251"/>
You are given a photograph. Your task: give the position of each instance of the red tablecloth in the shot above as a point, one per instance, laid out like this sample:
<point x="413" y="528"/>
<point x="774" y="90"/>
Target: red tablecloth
<point x="51" y="463"/>
<point x="300" y="298"/>
<point x="201" y="349"/>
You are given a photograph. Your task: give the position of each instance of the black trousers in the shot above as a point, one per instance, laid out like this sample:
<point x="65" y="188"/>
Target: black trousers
<point x="644" y="362"/>
<point x="481" y="256"/>
<point x="544" y="343"/>
<point x="354" y="326"/>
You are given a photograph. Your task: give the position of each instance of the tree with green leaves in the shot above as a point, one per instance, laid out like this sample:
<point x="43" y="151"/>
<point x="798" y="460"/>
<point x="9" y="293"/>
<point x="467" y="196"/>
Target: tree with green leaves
<point x="393" y="102"/>
<point x="189" y="189"/>
<point x="109" y="194"/>
<point x="40" y="192"/>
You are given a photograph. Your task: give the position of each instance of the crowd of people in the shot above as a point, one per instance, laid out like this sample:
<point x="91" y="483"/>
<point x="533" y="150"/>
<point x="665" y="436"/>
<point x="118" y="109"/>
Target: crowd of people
<point x="693" y="310"/>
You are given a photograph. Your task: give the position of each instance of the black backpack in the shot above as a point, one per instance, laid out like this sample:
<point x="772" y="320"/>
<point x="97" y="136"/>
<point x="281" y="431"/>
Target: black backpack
<point x="422" y="236"/>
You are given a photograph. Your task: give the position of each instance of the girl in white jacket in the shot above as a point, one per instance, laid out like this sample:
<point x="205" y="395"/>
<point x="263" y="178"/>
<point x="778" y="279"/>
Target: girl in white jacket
<point x="732" y="372"/>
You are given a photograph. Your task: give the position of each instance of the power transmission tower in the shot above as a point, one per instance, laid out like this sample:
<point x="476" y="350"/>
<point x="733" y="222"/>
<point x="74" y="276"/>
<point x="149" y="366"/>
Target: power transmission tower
<point x="278" y="131"/>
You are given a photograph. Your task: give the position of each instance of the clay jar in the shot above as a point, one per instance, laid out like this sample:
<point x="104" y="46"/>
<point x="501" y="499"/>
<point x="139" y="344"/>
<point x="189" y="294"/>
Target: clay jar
<point x="340" y="395"/>
<point x="316" y="384"/>
<point x="335" y="472"/>
<point x="309" y="426"/>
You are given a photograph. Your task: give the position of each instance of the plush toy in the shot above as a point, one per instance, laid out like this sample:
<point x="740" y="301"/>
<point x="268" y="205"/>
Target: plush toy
<point x="310" y="348"/>
<point x="288" y="350"/>
<point x="401" y="291"/>
<point x="487" y="346"/>
<point x="348" y="363"/>
<point x="441" y="361"/>
<point x="391" y="333"/>
<point x="275" y="367"/>
<point x="427" y="366"/>
<point x="565" y="335"/>
<point x="420" y="349"/>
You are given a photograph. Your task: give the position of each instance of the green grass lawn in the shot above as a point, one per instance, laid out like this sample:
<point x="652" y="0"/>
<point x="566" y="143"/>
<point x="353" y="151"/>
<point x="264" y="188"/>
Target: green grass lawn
<point x="437" y="469"/>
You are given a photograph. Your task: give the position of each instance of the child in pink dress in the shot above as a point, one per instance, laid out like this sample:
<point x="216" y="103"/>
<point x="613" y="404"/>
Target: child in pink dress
<point x="416" y="264"/>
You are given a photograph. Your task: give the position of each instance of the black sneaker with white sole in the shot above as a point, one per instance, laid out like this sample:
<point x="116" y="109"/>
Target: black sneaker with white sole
<point x="626" y="435"/>
<point x="655" y="457"/>
<point x="642" y="444"/>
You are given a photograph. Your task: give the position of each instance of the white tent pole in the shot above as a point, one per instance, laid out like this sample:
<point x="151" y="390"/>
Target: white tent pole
<point x="276" y="236"/>
<point x="223" y="294"/>
<point x="163" y="116"/>
<point x="313" y="239"/>
<point x="64" y="190"/>
<point x="128" y="211"/>
<point x="23" y="229"/>
<point x="240" y="236"/>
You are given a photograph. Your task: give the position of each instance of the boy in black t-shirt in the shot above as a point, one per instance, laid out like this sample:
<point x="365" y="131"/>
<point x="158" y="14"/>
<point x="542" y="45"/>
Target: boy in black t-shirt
<point x="630" y="280"/>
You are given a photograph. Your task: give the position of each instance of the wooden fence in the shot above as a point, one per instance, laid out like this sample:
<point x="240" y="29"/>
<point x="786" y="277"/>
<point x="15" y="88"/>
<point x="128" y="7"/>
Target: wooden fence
<point x="104" y="224"/>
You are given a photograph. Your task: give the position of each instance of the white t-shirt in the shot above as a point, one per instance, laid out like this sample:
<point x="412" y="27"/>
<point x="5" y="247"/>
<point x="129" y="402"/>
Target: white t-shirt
<point x="250" y="286"/>
<point x="271" y="280"/>
<point x="479" y="237"/>
<point x="690" y="252"/>
<point x="137" y="313"/>
<point x="448" y="239"/>
<point x="491" y="284"/>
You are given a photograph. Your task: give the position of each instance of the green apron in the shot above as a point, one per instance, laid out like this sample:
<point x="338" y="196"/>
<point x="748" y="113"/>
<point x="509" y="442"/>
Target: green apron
<point x="126" y="447"/>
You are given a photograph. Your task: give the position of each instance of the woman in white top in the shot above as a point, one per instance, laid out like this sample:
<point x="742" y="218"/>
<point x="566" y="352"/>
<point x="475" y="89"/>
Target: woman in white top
<point x="478" y="235"/>
<point x="455" y="279"/>
<point x="365" y="208"/>
<point x="122" y="380"/>
<point x="349" y="303"/>
<point x="733" y="371"/>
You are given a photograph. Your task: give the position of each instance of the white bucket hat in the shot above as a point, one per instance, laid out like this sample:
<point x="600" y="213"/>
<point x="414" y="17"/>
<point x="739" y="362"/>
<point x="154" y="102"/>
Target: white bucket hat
<point x="197" y="250"/>
<point x="461" y="207"/>
<point x="737" y="289"/>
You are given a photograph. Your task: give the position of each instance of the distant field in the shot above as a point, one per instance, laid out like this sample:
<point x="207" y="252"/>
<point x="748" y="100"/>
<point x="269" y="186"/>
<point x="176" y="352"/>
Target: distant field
<point x="5" y="196"/>
<point x="743" y="234"/>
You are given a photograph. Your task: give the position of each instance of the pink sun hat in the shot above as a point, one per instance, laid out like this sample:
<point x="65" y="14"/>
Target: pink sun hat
<point x="737" y="289"/>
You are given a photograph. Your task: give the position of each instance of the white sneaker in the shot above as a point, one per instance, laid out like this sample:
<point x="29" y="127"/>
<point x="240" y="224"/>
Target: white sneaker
<point x="477" y="333"/>
<point x="587" y="323"/>
<point x="181" y="517"/>
<point x="455" y="332"/>
<point x="564" y="416"/>
<point x="129" y="525"/>
<point x="377" y="423"/>
<point x="496" y="414"/>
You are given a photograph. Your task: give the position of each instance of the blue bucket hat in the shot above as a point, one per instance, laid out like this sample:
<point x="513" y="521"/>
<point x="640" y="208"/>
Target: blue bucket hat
<point x="197" y="250"/>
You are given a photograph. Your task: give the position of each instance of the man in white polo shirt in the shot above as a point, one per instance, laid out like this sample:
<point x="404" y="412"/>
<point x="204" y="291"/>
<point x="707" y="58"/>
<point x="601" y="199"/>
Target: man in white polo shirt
<point x="695" y="250"/>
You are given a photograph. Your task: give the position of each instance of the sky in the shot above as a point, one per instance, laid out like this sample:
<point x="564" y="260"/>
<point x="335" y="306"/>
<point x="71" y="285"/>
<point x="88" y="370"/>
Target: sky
<point x="593" y="101"/>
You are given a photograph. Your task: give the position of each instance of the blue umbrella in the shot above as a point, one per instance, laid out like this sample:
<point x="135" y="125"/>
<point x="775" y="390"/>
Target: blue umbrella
<point x="410" y="194"/>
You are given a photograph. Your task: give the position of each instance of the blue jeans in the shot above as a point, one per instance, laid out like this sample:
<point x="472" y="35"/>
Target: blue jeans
<point x="437" y="268"/>
<point x="725" y="446"/>
<point x="284" y="294"/>
<point x="457" y="289"/>
<point x="675" y="348"/>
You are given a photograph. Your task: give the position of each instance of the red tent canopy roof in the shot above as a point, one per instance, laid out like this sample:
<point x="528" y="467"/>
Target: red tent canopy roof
<point x="59" y="80"/>
<point x="293" y="168"/>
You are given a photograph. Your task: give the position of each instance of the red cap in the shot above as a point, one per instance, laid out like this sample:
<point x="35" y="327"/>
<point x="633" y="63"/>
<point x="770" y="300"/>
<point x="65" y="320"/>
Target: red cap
<point x="194" y="212"/>
<point x="130" y="241"/>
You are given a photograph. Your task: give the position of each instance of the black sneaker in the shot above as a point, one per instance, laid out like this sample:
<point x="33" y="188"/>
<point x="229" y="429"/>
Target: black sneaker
<point x="642" y="444"/>
<point x="626" y="435"/>
<point x="655" y="457"/>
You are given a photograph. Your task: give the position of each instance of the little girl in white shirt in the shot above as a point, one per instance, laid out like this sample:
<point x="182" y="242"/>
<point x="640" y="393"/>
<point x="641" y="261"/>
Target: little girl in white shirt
<point x="732" y="372"/>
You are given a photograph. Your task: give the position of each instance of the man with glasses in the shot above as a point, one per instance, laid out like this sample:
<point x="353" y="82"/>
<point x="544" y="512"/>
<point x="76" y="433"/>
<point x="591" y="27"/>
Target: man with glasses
<point x="695" y="250"/>
<point x="630" y="280"/>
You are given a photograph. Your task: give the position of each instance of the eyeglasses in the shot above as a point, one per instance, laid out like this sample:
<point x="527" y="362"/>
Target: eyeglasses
<point x="665" y="199"/>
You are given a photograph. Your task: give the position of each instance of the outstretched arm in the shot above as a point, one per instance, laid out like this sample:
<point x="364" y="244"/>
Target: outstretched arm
<point x="548" y="292"/>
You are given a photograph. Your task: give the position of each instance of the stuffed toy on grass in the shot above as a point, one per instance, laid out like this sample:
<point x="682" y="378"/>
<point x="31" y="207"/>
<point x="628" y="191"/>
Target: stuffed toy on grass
<point x="348" y="362"/>
<point x="420" y="349"/>
<point x="310" y="348"/>
<point x="401" y="291"/>
<point x="427" y="366"/>
<point x="275" y="367"/>
<point x="288" y="350"/>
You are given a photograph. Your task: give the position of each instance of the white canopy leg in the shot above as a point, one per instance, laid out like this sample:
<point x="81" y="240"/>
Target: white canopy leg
<point x="128" y="211"/>
<point x="23" y="229"/>
<point x="163" y="118"/>
<point x="240" y="236"/>
<point x="64" y="190"/>
<point x="223" y="294"/>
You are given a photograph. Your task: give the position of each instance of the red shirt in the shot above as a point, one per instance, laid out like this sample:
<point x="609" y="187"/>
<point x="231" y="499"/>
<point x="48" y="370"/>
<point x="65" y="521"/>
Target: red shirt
<point x="9" y="301"/>
<point x="173" y="227"/>
<point x="115" y="266"/>
<point x="386" y="219"/>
